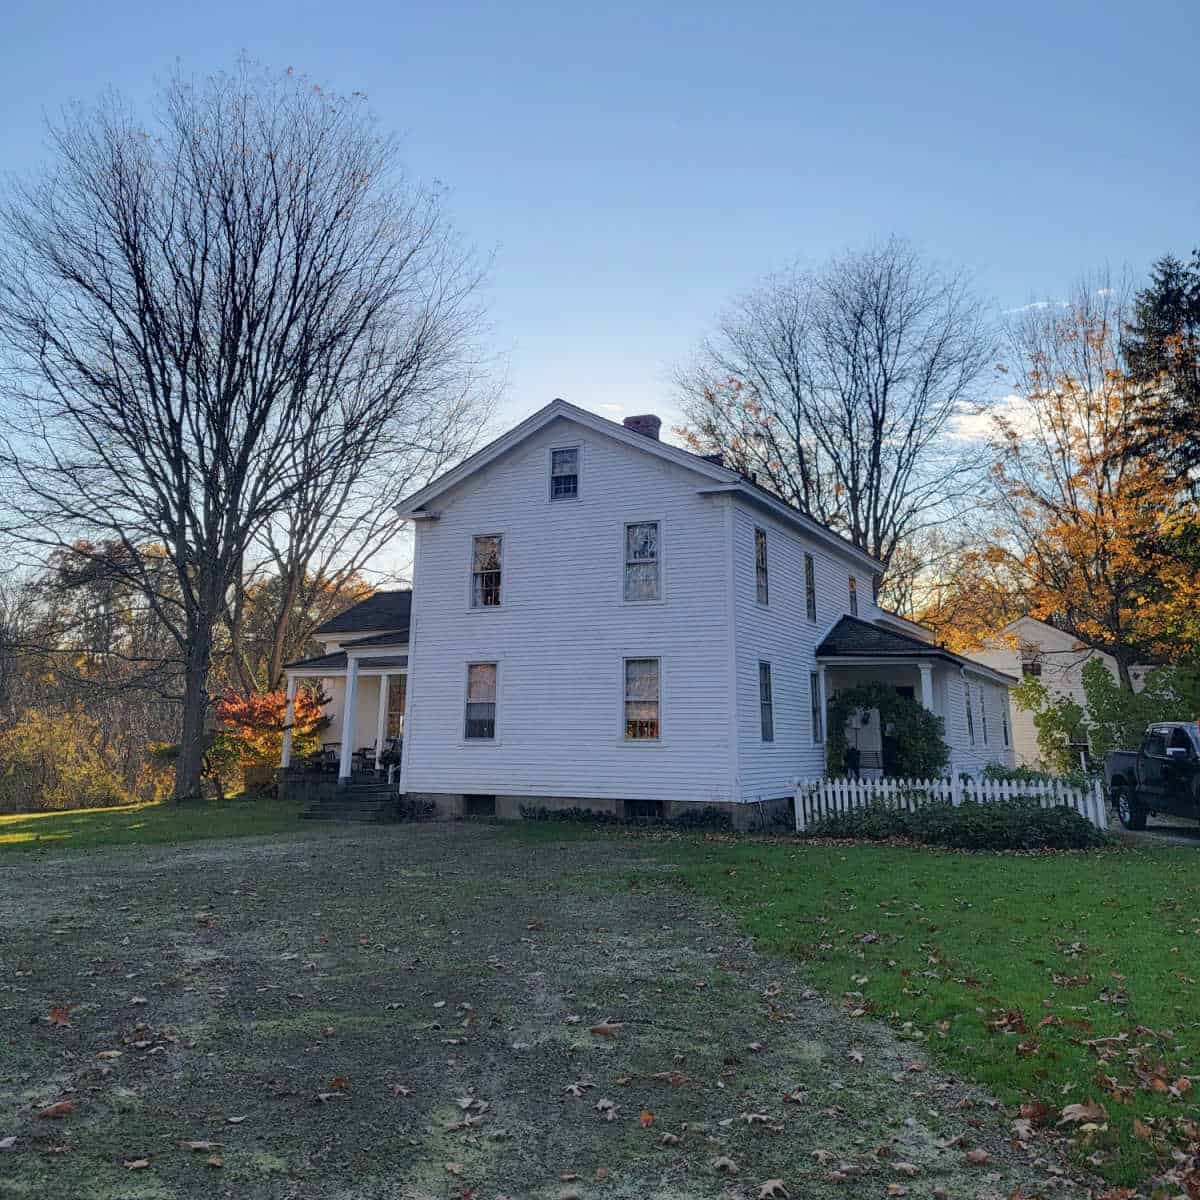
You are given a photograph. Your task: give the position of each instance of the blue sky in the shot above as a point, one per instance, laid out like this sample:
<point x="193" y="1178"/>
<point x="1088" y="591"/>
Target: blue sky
<point x="635" y="166"/>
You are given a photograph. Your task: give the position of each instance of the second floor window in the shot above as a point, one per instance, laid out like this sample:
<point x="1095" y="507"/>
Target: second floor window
<point x="642" y="681"/>
<point x="1031" y="666"/>
<point x="766" y="705"/>
<point x="481" y="701"/>
<point x="564" y="473"/>
<point x="810" y="587"/>
<point x="641" y="561"/>
<point x="853" y="596"/>
<point x="486" y="553"/>
<point x="760" y="565"/>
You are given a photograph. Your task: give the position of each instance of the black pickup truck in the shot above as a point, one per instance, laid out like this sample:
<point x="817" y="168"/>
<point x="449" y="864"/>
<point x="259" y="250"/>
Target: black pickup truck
<point x="1163" y="776"/>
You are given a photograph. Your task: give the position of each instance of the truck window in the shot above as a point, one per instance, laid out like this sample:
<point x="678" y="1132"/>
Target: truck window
<point x="1180" y="740"/>
<point x="1156" y="745"/>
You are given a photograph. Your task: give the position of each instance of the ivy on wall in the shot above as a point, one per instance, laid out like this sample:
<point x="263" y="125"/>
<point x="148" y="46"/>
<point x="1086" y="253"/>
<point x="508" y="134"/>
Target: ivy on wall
<point x="922" y="750"/>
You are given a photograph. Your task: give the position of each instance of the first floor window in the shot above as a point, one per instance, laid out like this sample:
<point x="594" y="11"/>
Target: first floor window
<point x="396" y="685"/>
<point x="564" y="474"/>
<point x="983" y="713"/>
<point x="970" y="714"/>
<point x="766" y="707"/>
<point x="1004" y="722"/>
<point x="760" y="565"/>
<point x="481" y="700"/>
<point x="810" y="588"/>
<point x="814" y="700"/>
<point x="641" y="561"/>
<point x="853" y="596"/>
<point x="486" y="554"/>
<point x="642" y="685"/>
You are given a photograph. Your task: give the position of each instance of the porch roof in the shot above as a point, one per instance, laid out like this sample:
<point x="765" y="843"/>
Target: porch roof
<point x="335" y="664"/>
<point x="381" y="610"/>
<point x="853" y="639"/>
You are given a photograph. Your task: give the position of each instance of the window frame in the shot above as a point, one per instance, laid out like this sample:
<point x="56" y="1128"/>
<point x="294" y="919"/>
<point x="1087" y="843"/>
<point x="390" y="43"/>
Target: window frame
<point x="626" y="740"/>
<point x="762" y="587"/>
<point x="983" y="725"/>
<point x="502" y="535"/>
<point x="970" y="714"/>
<point x="816" y="718"/>
<point x="551" y="498"/>
<point x="852" y="586"/>
<point x="766" y="707"/>
<point x="464" y="738"/>
<point x="662" y="574"/>
<point x="810" y="587"/>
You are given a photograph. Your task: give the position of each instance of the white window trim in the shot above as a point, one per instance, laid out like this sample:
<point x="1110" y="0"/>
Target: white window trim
<point x="550" y="497"/>
<point x="754" y="563"/>
<point x="630" y="656"/>
<point x="662" y="565"/>
<point x="468" y="663"/>
<point x="502" y="534"/>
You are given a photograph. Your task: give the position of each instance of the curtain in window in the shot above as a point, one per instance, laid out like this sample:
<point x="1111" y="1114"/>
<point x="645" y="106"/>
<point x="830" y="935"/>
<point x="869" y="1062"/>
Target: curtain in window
<point x="481" y="700"/>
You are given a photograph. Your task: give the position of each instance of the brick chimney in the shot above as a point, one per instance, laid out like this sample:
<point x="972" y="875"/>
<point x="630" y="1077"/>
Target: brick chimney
<point x="647" y="425"/>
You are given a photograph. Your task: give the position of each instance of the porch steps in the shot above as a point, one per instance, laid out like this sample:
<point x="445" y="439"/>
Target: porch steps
<point x="361" y="800"/>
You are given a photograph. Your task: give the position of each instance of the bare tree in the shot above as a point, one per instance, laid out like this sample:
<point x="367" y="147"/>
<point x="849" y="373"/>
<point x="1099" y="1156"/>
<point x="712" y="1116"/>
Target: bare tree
<point x="837" y="390"/>
<point x="204" y="320"/>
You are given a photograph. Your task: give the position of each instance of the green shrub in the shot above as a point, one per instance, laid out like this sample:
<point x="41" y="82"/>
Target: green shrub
<point x="408" y="809"/>
<point x="1003" y="825"/>
<point x="1074" y="778"/>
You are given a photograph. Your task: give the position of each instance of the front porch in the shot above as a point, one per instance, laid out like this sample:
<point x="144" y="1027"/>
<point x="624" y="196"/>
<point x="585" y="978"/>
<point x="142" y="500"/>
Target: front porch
<point x="366" y="689"/>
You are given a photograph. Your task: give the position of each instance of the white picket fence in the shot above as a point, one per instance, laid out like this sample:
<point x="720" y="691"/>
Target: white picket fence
<point x="816" y="798"/>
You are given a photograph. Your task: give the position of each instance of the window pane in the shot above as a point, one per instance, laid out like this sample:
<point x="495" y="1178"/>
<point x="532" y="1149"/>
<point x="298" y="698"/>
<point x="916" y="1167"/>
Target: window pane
<point x="853" y="596"/>
<point x="481" y="681"/>
<point x="760" y="565"/>
<point x="641" y="719"/>
<point x="486" y="565"/>
<point x="641" y="561"/>
<point x="481" y="720"/>
<point x="810" y="588"/>
<point x="564" y="462"/>
<point x="641" y="679"/>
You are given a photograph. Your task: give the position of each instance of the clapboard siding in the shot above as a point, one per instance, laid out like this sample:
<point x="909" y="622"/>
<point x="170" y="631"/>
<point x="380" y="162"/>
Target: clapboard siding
<point x="780" y="633"/>
<point x="563" y="631"/>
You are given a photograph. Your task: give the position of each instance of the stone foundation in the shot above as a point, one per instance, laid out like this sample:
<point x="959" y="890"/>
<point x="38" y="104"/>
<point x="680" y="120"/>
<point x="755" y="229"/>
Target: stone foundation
<point x="749" y="818"/>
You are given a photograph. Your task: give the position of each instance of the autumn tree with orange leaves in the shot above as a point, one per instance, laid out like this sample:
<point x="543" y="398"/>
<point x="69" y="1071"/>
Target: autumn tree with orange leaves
<point x="1088" y="529"/>
<point x="254" y="725"/>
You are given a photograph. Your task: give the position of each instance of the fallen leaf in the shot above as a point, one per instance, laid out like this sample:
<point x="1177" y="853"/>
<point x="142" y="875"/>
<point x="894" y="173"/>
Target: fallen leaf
<point x="724" y="1166"/>
<point x="108" y="1054"/>
<point x="234" y="1120"/>
<point x="136" y="1164"/>
<point x="60" y="1109"/>
<point x="198" y="1146"/>
<point x="646" y="1117"/>
<point x="601" y="1174"/>
<point x="60" y="1015"/>
<point x="607" y="1028"/>
<point x="906" y="1168"/>
<point x="772" y="1188"/>
<point x="453" y="1168"/>
<point x="8" y="1143"/>
<point x="215" y="1161"/>
<point x="138" y="1000"/>
<point x="1089" y="1110"/>
<point x="855" y="1056"/>
<point x="339" y="1083"/>
<point x="398" y="1089"/>
<point x="607" y="1109"/>
<point x="977" y="1158"/>
<point x="670" y="1139"/>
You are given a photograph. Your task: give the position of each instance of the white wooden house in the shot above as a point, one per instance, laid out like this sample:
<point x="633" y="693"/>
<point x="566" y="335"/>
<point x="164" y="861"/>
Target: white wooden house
<point x="601" y="619"/>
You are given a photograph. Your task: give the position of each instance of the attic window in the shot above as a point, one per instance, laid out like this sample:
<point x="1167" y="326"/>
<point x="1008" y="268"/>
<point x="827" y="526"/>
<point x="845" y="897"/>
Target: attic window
<point x="1031" y="666"/>
<point x="564" y="473"/>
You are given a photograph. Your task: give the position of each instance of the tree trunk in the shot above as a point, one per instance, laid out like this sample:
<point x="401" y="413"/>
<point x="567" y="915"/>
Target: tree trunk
<point x="1124" y="675"/>
<point x="189" y="767"/>
<point x="282" y="624"/>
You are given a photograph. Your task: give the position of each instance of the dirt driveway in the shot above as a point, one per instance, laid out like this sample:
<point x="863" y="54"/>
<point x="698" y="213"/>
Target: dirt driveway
<point x="423" y="1012"/>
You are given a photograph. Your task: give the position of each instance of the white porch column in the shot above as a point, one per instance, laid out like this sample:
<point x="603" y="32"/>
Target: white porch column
<point x="289" y="716"/>
<point x="926" y="670"/>
<point x="381" y="721"/>
<point x="824" y="715"/>
<point x="347" y="760"/>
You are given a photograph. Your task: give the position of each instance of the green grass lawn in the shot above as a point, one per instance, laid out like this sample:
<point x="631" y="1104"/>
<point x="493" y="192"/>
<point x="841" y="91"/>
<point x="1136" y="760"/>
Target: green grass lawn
<point x="1008" y="968"/>
<point x="144" y="824"/>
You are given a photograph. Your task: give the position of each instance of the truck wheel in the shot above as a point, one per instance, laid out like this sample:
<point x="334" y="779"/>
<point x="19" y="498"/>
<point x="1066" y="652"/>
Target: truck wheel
<point x="1129" y="813"/>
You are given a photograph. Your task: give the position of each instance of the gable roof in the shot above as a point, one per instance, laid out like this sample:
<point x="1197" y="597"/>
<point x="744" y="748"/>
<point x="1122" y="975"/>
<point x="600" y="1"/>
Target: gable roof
<point x="853" y="637"/>
<point x="378" y="612"/>
<point x="721" y="478"/>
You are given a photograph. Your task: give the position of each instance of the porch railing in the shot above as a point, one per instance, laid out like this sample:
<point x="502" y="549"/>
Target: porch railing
<point x="817" y="798"/>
